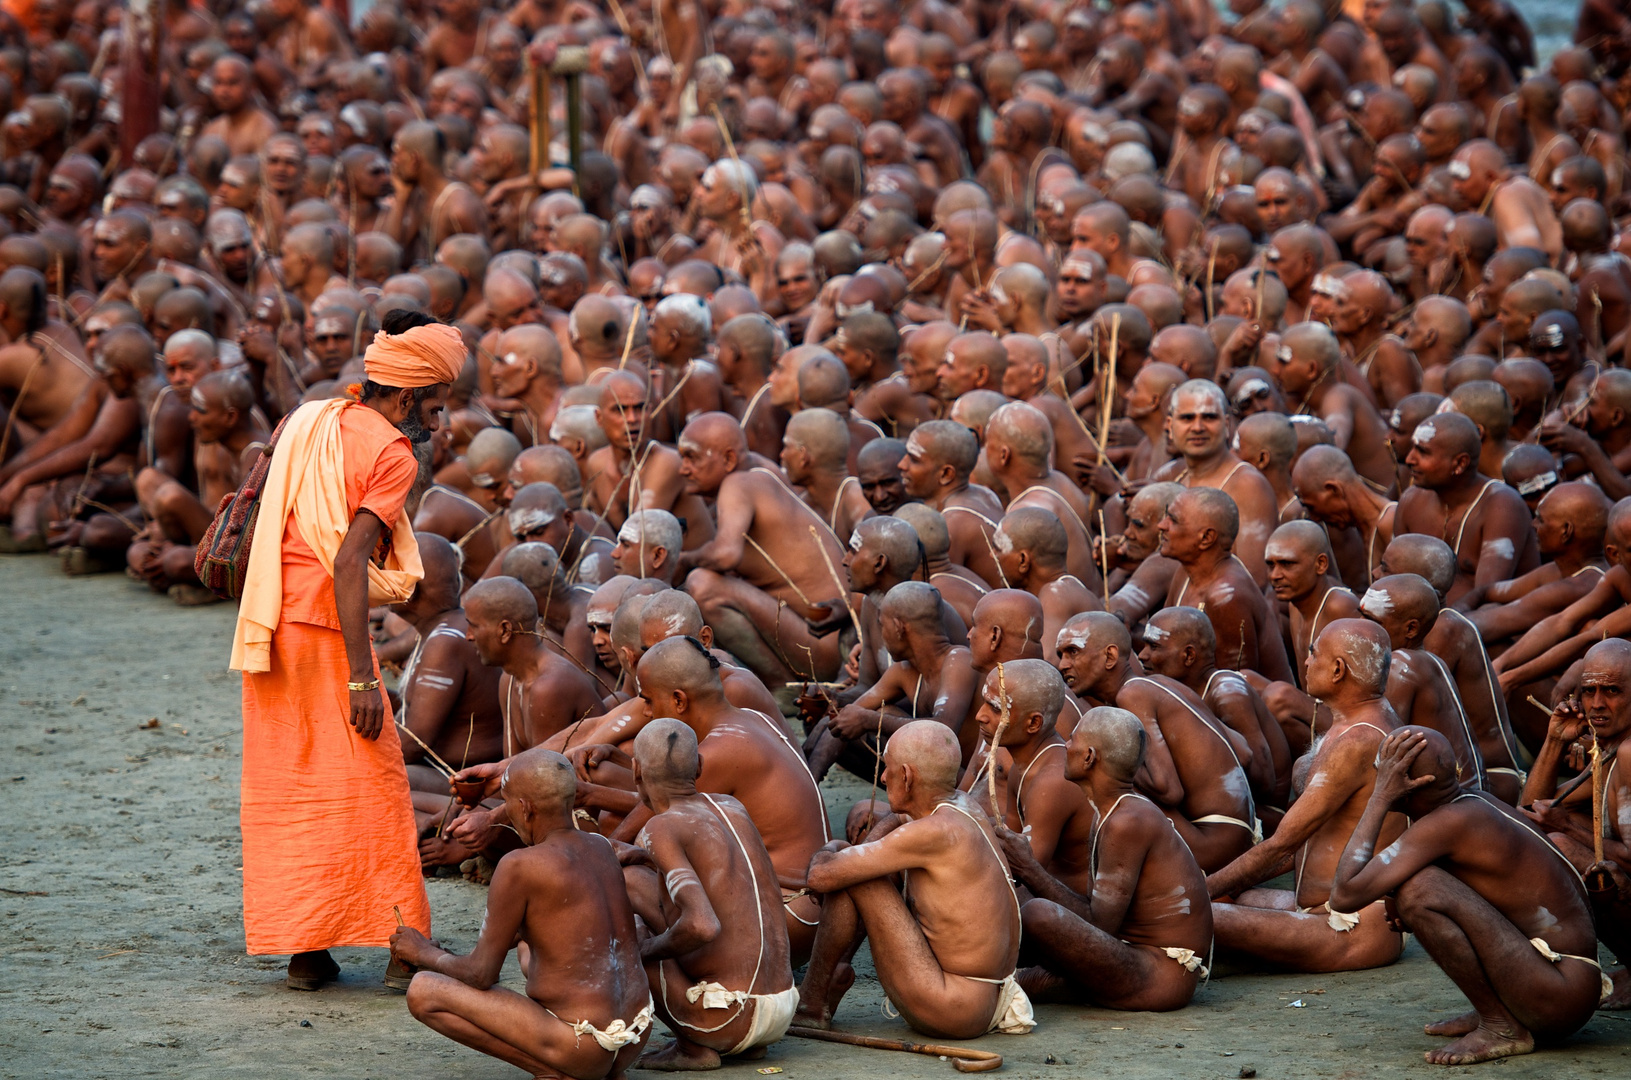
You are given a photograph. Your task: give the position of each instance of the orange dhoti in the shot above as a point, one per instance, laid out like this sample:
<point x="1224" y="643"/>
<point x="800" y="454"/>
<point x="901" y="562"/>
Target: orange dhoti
<point x="328" y="830"/>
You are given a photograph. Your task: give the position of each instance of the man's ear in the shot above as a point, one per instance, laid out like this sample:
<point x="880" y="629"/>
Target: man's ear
<point x="1429" y="338"/>
<point x="706" y="636"/>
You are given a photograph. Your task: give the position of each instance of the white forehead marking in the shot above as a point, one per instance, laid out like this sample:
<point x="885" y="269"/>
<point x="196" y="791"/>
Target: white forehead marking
<point x="1155" y="635"/>
<point x="526" y="521"/>
<point x="1376" y="602"/>
<point x="630" y="532"/>
<point x="1003" y="542"/>
<point x="855" y="540"/>
<point x="1076" y="639"/>
<point x="1424" y="433"/>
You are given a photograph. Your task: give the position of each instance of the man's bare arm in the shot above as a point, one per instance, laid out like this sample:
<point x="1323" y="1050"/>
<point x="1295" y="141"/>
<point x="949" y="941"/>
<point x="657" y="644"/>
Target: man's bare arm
<point x="1340" y="775"/>
<point x="697" y="923"/>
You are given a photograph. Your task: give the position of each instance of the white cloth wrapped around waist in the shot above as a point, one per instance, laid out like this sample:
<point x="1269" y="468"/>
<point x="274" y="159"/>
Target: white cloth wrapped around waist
<point x="616" y="1035"/>
<point x="1554" y="956"/>
<point x="1189" y="959"/>
<point x="1255" y="827"/>
<point x="1340" y="921"/>
<point x="1013" y="1014"/>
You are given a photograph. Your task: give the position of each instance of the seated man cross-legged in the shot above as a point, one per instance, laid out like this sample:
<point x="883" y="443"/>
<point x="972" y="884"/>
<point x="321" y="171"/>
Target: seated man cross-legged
<point x="1139" y="937"/>
<point x="587" y="1010"/>
<point x="945" y="950"/>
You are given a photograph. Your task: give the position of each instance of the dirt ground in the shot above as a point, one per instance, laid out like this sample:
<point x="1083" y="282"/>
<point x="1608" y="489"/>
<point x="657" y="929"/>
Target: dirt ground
<point x="122" y="953"/>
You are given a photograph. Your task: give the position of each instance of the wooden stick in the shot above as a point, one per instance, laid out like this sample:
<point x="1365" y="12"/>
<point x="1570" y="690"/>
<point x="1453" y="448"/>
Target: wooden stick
<point x="1262" y="276"/>
<point x="445" y="769"/>
<point x="1108" y="390"/>
<point x="1547" y="709"/>
<point x="1104" y="558"/>
<point x="742" y="180"/>
<point x="996" y="741"/>
<point x="398" y="912"/>
<point x="962" y="1058"/>
<point x="1211" y="270"/>
<point x="628" y="343"/>
<point x="843" y="586"/>
<point x="1596" y="799"/>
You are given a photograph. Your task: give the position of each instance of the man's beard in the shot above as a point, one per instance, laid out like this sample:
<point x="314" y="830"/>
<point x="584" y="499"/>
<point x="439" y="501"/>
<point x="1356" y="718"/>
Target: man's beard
<point x="414" y="428"/>
<point x="423" y="453"/>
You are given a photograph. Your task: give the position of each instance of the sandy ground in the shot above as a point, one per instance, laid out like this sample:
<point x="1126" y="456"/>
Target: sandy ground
<point x="123" y="948"/>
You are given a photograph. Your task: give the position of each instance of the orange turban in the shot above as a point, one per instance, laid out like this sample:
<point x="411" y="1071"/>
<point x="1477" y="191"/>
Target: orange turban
<point x="424" y="356"/>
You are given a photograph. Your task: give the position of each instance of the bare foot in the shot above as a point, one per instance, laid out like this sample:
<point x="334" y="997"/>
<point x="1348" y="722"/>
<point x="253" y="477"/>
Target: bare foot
<point x="843" y="977"/>
<point x="1454" y="1025"/>
<point x="1484" y="1044"/>
<point x="1621" y="997"/>
<point x="679" y="1056"/>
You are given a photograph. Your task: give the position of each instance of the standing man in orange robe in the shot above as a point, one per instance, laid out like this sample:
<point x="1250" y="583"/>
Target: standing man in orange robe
<point x="329" y="844"/>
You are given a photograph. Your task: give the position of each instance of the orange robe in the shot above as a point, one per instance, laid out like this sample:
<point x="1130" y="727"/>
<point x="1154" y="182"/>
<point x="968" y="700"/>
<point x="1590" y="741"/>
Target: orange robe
<point x="329" y="843"/>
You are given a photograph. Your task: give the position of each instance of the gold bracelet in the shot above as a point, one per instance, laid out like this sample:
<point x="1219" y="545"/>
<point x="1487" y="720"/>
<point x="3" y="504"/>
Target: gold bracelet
<point x="362" y="687"/>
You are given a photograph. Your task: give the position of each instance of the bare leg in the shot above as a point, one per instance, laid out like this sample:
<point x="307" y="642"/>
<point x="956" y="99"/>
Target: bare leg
<point x="931" y="1001"/>
<point x="512" y="1028"/>
<point x="767" y="635"/>
<point x="1102" y="969"/>
<point x="1265" y="925"/>
<point x="1515" y="992"/>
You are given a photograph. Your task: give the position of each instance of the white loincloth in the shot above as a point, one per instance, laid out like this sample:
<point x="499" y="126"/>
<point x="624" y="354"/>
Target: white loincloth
<point x="1554" y="956"/>
<point x="617" y="1034"/>
<point x="1255" y="828"/>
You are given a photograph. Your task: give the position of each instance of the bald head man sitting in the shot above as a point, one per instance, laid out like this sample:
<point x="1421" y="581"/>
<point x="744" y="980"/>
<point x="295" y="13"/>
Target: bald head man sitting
<point x="931" y="676"/>
<point x="542" y="691"/>
<point x="1199" y="427"/>
<point x="1034" y="798"/>
<point x="562" y="607"/>
<point x="959" y="586"/>
<point x="1485" y="522"/>
<point x="587" y="983"/>
<point x="1571" y="523"/>
<point x="1302" y="930"/>
<point x="707" y="891"/>
<point x="1195" y="772"/>
<point x="1120" y="943"/>
<point x="1471" y="879"/>
<point x="948" y="936"/>
<point x="526" y="375"/>
<point x="1198" y="533"/>
<point x="1310" y="359"/>
<point x="1018" y="451"/>
<point x="1334" y="494"/>
<point x="648" y="545"/>
<point x="616" y="487"/>
<point x="468" y="516"/>
<point x="747" y="755"/>
<point x="1419" y="685"/>
<point x="1179" y="643"/>
<point x="1033" y="549"/>
<point x="940" y="457"/>
<point x="770" y="567"/>
<point x="449" y="698"/>
<point x="1455" y="640"/>
<point x="815" y="452"/>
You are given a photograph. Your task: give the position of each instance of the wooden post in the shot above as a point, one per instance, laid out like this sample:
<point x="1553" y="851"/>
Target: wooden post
<point x="139" y="74"/>
<point x="571" y="61"/>
<point x="540" y="119"/>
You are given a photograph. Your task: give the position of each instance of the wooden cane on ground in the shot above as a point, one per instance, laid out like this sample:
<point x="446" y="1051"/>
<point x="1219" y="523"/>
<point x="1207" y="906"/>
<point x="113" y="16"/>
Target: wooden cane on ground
<point x="962" y="1058"/>
<point x="1104" y="558"/>
<point x="1108" y="389"/>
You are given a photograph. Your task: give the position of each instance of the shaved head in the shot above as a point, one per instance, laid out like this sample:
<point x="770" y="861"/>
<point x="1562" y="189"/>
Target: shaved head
<point x="1426" y="556"/>
<point x="666" y="753"/>
<point x="542" y="778"/>
<point x="1116" y="736"/>
<point x="1031" y="686"/>
<point x="931" y="750"/>
<point x="504" y="599"/>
